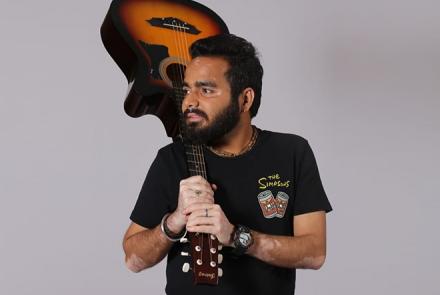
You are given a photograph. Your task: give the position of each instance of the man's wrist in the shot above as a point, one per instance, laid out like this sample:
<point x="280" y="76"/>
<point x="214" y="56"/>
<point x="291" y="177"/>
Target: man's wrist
<point x="231" y="236"/>
<point x="168" y="233"/>
<point x="173" y="225"/>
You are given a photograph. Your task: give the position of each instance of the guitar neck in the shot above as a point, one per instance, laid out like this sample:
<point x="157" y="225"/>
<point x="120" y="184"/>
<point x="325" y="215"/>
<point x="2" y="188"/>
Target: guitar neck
<point x="194" y="153"/>
<point x="195" y="160"/>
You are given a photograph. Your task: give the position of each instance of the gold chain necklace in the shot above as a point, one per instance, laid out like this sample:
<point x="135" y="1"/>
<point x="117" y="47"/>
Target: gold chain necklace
<point x="247" y="148"/>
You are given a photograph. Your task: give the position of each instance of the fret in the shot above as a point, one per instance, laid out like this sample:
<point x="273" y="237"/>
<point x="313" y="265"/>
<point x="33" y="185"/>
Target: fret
<point x="195" y="172"/>
<point x="195" y="160"/>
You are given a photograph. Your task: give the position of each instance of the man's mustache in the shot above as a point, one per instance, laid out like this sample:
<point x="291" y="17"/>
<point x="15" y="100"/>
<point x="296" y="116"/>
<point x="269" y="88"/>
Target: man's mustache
<point x="195" y="111"/>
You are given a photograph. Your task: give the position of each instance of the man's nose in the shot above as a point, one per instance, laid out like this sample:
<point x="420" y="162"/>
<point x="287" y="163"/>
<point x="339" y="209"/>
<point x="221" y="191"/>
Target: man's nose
<point x="190" y="100"/>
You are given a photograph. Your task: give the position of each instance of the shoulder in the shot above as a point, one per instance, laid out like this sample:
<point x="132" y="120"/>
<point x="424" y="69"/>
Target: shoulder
<point x="170" y="149"/>
<point x="292" y="140"/>
<point x="171" y="160"/>
<point x="280" y="144"/>
<point x="171" y="154"/>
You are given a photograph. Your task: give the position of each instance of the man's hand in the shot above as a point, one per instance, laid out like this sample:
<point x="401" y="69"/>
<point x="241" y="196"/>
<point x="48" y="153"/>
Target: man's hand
<point x="193" y="190"/>
<point x="210" y="219"/>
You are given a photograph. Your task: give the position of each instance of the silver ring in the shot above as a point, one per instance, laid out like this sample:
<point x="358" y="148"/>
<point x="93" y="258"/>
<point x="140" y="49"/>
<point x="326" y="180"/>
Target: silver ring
<point x="206" y="212"/>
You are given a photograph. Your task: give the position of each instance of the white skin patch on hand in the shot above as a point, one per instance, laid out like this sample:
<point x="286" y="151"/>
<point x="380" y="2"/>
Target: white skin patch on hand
<point x="272" y="250"/>
<point x="312" y="262"/>
<point x="266" y="247"/>
<point x="135" y="263"/>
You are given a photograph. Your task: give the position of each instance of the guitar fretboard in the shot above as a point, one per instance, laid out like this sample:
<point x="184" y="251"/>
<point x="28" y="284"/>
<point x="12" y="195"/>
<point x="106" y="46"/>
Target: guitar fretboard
<point x="195" y="160"/>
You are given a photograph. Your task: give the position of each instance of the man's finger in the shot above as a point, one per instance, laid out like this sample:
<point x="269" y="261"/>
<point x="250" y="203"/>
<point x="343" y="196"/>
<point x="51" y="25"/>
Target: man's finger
<point x="200" y="220"/>
<point x="207" y="229"/>
<point x="198" y="206"/>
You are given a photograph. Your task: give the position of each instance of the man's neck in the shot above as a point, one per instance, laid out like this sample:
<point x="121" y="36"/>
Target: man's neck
<point x="236" y="140"/>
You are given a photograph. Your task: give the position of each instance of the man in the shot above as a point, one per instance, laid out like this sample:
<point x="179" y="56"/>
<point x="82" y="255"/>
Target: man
<point x="263" y="198"/>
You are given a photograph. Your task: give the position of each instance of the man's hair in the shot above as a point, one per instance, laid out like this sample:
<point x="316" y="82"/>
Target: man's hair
<point x="245" y="69"/>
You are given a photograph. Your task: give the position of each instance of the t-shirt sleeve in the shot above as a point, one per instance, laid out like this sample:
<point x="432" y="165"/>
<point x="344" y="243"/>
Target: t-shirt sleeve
<point x="153" y="201"/>
<point x="310" y="195"/>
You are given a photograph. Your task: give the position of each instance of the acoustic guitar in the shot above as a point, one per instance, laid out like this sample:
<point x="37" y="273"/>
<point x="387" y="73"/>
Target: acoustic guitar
<point x="149" y="41"/>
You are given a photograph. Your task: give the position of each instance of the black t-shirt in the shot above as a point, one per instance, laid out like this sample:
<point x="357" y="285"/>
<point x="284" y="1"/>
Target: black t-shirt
<point x="263" y="189"/>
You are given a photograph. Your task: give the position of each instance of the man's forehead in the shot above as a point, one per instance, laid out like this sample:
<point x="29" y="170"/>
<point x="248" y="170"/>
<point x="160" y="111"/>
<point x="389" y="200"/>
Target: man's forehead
<point x="206" y="68"/>
<point x="206" y="60"/>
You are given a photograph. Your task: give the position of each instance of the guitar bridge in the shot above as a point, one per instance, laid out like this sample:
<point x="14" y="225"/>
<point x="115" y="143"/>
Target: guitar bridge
<point x="174" y="24"/>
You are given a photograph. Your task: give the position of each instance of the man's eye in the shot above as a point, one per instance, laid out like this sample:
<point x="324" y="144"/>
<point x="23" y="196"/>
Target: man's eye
<point x="207" y="91"/>
<point x="185" y="91"/>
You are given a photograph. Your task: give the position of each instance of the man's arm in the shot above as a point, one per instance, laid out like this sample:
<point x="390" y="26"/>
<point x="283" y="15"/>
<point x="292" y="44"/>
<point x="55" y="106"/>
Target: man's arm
<point x="307" y="249"/>
<point x="144" y="247"/>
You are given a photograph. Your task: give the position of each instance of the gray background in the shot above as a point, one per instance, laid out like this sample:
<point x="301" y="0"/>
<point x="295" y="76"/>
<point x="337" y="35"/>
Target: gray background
<point x="359" y="79"/>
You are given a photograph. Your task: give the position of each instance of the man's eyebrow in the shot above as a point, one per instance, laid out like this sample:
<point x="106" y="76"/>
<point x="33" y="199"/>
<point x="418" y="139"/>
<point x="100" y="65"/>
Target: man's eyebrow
<point x="185" y="84"/>
<point x="206" y="83"/>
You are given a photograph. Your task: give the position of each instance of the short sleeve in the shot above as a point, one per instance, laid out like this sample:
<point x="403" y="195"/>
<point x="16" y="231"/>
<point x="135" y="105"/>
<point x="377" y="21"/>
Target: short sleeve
<point x="153" y="201"/>
<point x="310" y="195"/>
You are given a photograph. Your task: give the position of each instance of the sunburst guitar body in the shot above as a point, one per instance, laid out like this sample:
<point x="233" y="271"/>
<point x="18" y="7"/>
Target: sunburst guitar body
<point x="149" y="40"/>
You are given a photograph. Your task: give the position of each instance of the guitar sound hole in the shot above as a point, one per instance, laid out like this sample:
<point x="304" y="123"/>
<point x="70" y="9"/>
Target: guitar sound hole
<point x="175" y="72"/>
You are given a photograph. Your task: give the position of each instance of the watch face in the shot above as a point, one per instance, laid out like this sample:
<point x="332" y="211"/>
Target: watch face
<point x="245" y="239"/>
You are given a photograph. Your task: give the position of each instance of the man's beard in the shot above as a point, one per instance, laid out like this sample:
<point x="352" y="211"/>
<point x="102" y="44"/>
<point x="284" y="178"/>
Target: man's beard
<point x="224" y="122"/>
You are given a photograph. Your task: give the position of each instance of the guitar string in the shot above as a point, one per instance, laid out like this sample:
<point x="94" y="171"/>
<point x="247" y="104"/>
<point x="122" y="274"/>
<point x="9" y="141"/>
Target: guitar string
<point x="198" y="157"/>
<point x="203" y="168"/>
<point x="201" y="156"/>
<point x="180" y="75"/>
<point x="185" y="47"/>
<point x="181" y="50"/>
<point x="201" y="162"/>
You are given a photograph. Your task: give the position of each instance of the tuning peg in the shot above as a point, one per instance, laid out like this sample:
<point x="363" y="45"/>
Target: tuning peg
<point x="185" y="267"/>
<point x="184" y="240"/>
<point x="213" y="250"/>
<point x="213" y="237"/>
<point x="213" y="264"/>
<point x="184" y="253"/>
<point x="220" y="272"/>
<point x="220" y="258"/>
<point x="220" y="247"/>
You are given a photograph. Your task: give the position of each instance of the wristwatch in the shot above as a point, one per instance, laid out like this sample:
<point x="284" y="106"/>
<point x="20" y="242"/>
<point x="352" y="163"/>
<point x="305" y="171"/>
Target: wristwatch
<point x="242" y="239"/>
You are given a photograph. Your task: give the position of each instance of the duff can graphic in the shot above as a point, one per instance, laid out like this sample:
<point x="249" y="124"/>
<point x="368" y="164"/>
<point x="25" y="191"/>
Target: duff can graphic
<point x="281" y="200"/>
<point x="268" y="204"/>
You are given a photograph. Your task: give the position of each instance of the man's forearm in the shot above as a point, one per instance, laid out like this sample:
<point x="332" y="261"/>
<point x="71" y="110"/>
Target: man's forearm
<point x="145" y="249"/>
<point x="292" y="252"/>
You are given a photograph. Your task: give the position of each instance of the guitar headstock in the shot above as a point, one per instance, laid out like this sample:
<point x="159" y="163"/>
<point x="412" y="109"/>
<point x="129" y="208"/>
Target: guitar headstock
<point x="205" y="258"/>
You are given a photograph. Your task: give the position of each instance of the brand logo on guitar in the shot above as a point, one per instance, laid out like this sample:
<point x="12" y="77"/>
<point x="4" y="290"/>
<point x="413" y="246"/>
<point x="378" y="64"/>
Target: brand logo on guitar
<point x="207" y="275"/>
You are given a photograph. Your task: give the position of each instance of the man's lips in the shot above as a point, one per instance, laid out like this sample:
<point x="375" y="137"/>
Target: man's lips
<point x="194" y="117"/>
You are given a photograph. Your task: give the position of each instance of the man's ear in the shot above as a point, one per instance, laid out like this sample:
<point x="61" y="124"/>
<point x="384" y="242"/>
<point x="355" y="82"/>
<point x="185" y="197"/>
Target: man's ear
<point x="246" y="99"/>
